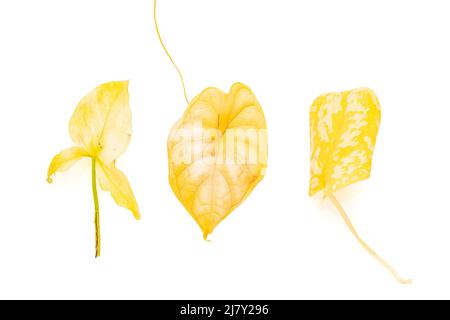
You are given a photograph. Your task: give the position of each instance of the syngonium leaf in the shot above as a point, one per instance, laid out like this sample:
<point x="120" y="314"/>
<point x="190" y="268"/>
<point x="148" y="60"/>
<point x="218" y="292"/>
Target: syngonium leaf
<point x="344" y="129"/>
<point x="101" y="129"/>
<point x="217" y="153"/>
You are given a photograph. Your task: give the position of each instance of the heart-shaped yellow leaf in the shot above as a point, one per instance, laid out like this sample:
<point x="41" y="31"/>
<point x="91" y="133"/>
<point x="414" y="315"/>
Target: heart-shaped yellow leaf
<point x="217" y="153"/>
<point x="344" y="129"/>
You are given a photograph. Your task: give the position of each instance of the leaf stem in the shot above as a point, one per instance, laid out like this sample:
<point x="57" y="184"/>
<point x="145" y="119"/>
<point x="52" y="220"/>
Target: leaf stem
<point x="97" y="209"/>
<point x="180" y="74"/>
<point x="364" y="245"/>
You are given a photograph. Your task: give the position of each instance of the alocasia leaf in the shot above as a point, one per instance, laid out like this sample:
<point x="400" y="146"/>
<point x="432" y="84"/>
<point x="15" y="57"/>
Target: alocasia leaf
<point x="344" y="129"/>
<point x="217" y="150"/>
<point x="217" y="153"/>
<point x="101" y="129"/>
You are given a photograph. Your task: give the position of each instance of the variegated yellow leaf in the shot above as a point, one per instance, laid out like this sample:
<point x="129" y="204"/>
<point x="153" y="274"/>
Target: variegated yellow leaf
<point x="217" y="153"/>
<point x="344" y="129"/>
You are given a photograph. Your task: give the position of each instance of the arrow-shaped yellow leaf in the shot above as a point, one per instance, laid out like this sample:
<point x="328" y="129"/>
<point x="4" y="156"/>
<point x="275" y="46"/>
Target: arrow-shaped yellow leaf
<point x="101" y="129"/>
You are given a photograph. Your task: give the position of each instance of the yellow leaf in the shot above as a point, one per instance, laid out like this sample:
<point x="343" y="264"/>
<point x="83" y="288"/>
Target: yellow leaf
<point x="344" y="129"/>
<point x="65" y="160"/>
<point x="101" y="127"/>
<point x="114" y="181"/>
<point x="217" y="153"/>
<point x="102" y="121"/>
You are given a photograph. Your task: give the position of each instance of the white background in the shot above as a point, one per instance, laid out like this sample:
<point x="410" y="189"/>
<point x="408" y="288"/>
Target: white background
<point x="280" y="243"/>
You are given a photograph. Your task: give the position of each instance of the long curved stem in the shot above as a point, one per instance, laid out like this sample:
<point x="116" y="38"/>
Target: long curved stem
<point x="364" y="245"/>
<point x="168" y="54"/>
<point x="97" y="209"/>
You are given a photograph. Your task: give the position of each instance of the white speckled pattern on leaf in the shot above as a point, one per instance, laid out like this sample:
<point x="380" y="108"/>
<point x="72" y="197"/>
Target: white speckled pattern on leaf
<point x="344" y="129"/>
